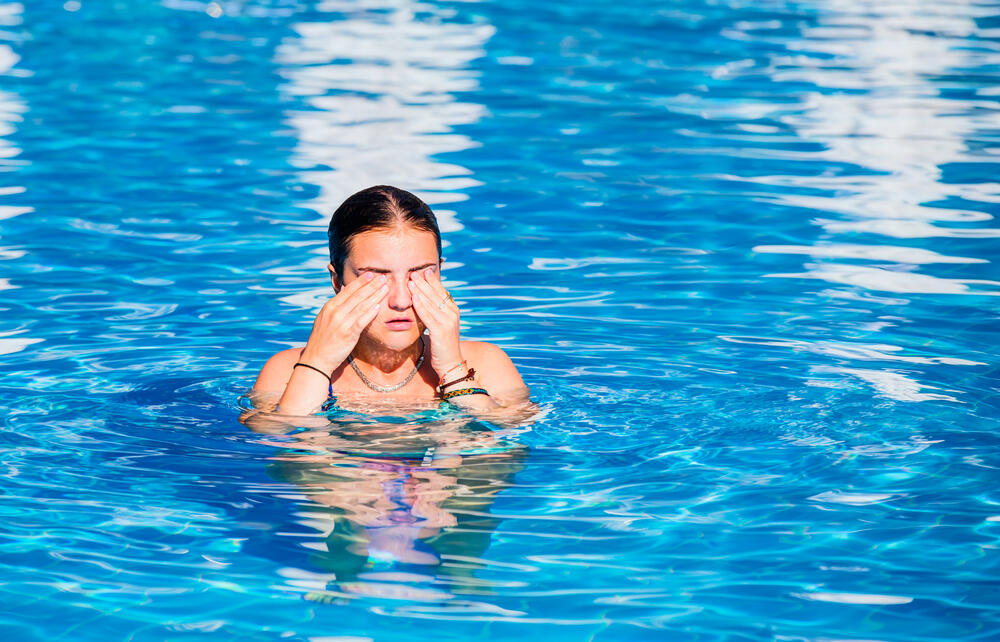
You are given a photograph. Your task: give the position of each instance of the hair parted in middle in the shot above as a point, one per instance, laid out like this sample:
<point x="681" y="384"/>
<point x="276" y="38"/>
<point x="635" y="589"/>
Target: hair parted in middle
<point x="373" y="208"/>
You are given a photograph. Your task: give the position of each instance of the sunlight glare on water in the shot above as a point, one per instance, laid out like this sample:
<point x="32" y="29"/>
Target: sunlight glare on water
<point x="743" y="253"/>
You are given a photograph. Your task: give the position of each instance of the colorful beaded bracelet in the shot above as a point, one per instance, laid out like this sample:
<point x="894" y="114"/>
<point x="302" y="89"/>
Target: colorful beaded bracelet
<point x="464" y="391"/>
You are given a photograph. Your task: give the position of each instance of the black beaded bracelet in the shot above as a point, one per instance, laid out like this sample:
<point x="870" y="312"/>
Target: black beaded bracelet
<point x="306" y="365"/>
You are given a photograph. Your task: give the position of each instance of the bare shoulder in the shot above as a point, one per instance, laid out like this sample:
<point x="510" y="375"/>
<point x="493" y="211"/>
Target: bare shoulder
<point x="494" y="369"/>
<point x="274" y="375"/>
<point x="485" y="353"/>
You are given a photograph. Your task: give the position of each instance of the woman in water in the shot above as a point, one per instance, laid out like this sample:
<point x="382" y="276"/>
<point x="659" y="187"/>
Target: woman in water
<point x="389" y="496"/>
<point x="368" y="341"/>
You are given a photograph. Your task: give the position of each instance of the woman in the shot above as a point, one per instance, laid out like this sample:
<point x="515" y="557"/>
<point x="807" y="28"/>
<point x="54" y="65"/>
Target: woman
<point x="391" y="496"/>
<point x="369" y="341"/>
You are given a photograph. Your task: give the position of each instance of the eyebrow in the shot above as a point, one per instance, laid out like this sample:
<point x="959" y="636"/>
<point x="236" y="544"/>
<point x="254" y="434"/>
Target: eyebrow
<point x="385" y="271"/>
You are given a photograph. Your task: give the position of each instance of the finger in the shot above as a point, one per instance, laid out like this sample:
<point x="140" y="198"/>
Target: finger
<point x="433" y="279"/>
<point x="368" y="314"/>
<point x="366" y="284"/>
<point x="422" y="307"/>
<point x="357" y="283"/>
<point x="364" y="299"/>
<point x="435" y="295"/>
<point x="418" y="309"/>
<point x="432" y="315"/>
<point x="421" y="295"/>
<point x="440" y="291"/>
<point x="359" y="318"/>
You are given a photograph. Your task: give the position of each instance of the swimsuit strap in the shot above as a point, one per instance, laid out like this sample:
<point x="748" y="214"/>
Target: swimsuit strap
<point x="330" y="402"/>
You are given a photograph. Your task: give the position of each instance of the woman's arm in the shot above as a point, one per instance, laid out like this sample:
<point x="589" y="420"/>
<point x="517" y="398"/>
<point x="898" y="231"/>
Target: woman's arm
<point x="296" y="382"/>
<point x="508" y="402"/>
<point x="335" y="332"/>
<point x="271" y="383"/>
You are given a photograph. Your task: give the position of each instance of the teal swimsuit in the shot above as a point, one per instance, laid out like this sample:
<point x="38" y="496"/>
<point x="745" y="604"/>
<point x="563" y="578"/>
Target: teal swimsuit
<point x="330" y="400"/>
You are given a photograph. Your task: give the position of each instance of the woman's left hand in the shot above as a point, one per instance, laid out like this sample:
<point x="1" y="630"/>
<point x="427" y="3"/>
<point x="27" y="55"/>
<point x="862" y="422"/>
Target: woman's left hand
<point x="439" y="312"/>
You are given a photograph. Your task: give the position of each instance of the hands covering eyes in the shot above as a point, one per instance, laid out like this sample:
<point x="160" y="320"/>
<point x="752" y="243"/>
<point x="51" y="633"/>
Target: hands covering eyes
<point x="439" y="313"/>
<point x="342" y="319"/>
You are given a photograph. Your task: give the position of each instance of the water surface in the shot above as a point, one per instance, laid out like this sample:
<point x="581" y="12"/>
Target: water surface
<point x="744" y="255"/>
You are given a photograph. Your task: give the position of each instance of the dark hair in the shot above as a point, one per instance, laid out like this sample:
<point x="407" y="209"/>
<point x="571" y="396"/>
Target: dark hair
<point x="375" y="208"/>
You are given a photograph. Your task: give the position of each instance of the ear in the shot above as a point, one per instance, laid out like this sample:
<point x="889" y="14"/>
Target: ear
<point x="334" y="279"/>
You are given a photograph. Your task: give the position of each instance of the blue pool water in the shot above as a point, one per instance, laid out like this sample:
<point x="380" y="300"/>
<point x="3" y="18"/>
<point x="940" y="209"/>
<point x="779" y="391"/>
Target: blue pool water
<point x="744" y="253"/>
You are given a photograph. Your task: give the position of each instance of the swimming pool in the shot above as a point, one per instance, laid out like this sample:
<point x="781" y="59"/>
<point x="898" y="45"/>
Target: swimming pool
<point x="743" y="253"/>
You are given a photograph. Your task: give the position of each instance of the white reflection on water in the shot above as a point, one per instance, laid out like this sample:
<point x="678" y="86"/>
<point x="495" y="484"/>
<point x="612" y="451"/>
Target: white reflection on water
<point x="12" y="108"/>
<point x="850" y="351"/>
<point x="854" y="598"/>
<point x="851" y="499"/>
<point x="888" y="115"/>
<point x="894" y="385"/>
<point x="891" y="280"/>
<point x="380" y="81"/>
<point x="8" y="346"/>
<point x="913" y="255"/>
<point x="906" y="229"/>
<point x="881" y="69"/>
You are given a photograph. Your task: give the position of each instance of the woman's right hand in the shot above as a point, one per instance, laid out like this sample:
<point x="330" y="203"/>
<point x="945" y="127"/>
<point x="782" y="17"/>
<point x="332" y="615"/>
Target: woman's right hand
<point x="342" y="319"/>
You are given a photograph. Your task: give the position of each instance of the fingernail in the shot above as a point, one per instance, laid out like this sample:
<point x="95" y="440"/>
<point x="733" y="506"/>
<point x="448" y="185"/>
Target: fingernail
<point x="382" y="278"/>
<point x="367" y="276"/>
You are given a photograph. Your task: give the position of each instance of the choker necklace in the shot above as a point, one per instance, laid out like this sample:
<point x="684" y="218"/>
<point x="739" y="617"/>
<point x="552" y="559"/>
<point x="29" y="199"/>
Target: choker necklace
<point x="377" y="388"/>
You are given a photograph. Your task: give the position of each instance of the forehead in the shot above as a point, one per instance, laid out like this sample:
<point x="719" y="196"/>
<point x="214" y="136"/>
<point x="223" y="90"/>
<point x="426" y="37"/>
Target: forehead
<point x="400" y="248"/>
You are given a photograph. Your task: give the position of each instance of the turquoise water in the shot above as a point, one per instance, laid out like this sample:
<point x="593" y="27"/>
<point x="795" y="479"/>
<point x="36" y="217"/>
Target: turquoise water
<point x="744" y="254"/>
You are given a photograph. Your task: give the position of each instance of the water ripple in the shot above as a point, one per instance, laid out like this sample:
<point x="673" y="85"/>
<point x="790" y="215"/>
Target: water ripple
<point x="742" y="254"/>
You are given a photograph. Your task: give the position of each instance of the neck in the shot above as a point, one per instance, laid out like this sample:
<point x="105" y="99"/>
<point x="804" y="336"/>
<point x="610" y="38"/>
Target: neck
<point x="385" y="360"/>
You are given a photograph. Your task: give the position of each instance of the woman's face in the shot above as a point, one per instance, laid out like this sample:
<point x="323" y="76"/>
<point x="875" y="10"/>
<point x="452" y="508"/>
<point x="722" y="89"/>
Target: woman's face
<point x="396" y="252"/>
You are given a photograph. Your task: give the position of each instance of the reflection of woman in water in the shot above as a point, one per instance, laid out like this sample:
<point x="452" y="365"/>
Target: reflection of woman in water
<point x="402" y="509"/>
<point x="394" y="493"/>
<point x="368" y="341"/>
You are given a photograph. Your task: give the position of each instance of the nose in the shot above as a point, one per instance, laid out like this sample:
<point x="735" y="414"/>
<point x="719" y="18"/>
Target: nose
<point x="399" y="298"/>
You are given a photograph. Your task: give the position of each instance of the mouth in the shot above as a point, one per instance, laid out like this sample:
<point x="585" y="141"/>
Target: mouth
<point x="399" y="323"/>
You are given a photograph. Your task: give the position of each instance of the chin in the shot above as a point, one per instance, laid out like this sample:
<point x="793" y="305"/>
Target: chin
<point x="397" y="341"/>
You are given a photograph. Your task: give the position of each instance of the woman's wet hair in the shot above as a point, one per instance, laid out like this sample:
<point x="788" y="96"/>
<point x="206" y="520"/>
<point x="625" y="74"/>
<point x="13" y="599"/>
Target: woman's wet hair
<point x="378" y="207"/>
